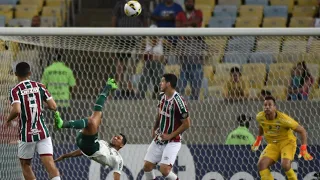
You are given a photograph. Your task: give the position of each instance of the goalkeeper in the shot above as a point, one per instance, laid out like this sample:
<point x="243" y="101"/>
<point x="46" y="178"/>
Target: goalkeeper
<point x="278" y="128"/>
<point x="87" y="139"/>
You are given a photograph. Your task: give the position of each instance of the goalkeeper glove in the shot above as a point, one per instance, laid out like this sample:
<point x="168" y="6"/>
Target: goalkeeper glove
<point x="304" y="153"/>
<point x="112" y="84"/>
<point x="256" y="144"/>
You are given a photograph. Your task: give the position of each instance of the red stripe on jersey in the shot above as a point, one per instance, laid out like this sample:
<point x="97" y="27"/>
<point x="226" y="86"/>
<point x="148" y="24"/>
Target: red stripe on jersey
<point x="28" y="114"/>
<point x="14" y="94"/>
<point x="168" y="123"/>
<point x="38" y="99"/>
<point x="177" y="120"/>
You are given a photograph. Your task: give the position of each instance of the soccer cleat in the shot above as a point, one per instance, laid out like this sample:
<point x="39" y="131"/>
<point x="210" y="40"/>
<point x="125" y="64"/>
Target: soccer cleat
<point x="58" y="122"/>
<point x="112" y="83"/>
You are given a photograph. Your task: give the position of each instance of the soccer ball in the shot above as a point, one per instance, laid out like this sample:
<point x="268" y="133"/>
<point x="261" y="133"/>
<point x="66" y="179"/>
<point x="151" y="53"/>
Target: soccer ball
<point x="132" y="8"/>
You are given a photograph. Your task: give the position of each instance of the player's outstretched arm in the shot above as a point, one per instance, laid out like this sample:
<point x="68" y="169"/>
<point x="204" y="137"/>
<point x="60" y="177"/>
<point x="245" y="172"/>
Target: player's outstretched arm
<point x="51" y="104"/>
<point x="75" y="153"/>
<point x="256" y="144"/>
<point x="116" y="176"/>
<point x="303" y="148"/>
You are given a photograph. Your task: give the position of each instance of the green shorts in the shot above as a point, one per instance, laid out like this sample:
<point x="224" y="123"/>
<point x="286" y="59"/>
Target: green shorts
<point x="88" y="144"/>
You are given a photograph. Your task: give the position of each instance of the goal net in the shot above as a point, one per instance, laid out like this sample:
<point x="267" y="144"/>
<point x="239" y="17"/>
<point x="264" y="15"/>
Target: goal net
<point x="223" y="74"/>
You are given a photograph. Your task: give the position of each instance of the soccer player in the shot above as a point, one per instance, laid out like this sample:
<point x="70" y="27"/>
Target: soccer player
<point x="87" y="139"/>
<point x="278" y="128"/>
<point x="171" y="121"/>
<point x="27" y="99"/>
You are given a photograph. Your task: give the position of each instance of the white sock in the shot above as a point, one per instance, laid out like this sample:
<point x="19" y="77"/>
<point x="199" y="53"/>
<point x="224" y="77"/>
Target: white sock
<point x="149" y="175"/>
<point x="56" y="178"/>
<point x="172" y="176"/>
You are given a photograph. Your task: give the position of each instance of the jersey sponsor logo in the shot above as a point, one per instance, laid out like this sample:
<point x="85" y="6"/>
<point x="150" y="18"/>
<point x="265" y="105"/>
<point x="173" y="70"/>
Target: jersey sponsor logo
<point x="165" y="114"/>
<point x="34" y="131"/>
<point x="239" y="136"/>
<point x="30" y="91"/>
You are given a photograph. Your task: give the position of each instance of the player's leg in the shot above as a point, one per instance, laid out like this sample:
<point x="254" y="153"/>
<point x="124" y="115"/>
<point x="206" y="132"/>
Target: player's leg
<point x="288" y="149"/>
<point x="152" y="157"/>
<point x="269" y="156"/>
<point x="168" y="158"/>
<point x="25" y="154"/>
<point x="89" y="125"/>
<point x="45" y="150"/>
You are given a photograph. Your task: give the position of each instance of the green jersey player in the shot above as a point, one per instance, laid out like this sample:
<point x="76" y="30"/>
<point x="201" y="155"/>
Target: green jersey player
<point x="87" y="139"/>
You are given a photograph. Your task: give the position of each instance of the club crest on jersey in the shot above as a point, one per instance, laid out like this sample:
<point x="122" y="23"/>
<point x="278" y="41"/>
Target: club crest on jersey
<point x="34" y="131"/>
<point x="30" y="91"/>
<point x="165" y="114"/>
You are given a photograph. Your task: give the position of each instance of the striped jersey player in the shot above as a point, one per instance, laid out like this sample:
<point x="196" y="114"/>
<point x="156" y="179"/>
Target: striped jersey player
<point x="27" y="99"/>
<point x="171" y="121"/>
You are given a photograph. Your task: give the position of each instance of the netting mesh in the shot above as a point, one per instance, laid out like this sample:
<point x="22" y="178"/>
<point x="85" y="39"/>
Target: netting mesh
<point x="215" y="96"/>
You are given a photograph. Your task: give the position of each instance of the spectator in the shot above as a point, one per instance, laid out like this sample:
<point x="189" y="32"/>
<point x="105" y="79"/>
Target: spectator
<point x="153" y="69"/>
<point x="235" y="88"/>
<point x="191" y="17"/>
<point x="36" y="21"/>
<point x="300" y="83"/>
<point x="241" y="135"/>
<point x="165" y="13"/>
<point x="58" y="78"/>
<point x="120" y="19"/>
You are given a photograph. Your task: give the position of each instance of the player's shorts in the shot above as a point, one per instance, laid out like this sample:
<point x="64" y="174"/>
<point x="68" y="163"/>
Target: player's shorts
<point x="284" y="150"/>
<point x="44" y="147"/>
<point x="165" y="154"/>
<point x="88" y="144"/>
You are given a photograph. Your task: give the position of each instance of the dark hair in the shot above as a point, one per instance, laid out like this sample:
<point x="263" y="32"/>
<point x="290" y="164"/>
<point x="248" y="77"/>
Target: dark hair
<point x="22" y="69"/>
<point x="172" y="79"/>
<point x="270" y="98"/>
<point x="124" y="139"/>
<point x="244" y="120"/>
<point x="235" y="69"/>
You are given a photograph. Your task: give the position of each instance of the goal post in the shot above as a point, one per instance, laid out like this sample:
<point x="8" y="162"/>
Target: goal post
<point x="283" y="62"/>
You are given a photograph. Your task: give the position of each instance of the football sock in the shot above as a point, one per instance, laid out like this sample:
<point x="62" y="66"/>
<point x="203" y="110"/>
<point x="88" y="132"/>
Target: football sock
<point x="102" y="98"/>
<point x="172" y="176"/>
<point x="266" y="175"/>
<point x="291" y="175"/>
<point x="149" y="175"/>
<point x="75" y="124"/>
<point x="56" y="178"/>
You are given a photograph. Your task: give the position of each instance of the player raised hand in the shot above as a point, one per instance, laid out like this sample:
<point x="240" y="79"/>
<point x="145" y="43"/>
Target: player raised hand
<point x="304" y="153"/>
<point x="112" y="83"/>
<point x="256" y="144"/>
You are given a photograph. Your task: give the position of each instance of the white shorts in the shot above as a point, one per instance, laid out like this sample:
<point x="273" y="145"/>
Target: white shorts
<point x="165" y="154"/>
<point x="26" y="150"/>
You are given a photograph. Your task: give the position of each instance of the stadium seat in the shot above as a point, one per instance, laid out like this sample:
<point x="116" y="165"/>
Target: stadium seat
<point x="248" y="22"/>
<point x="236" y="57"/>
<point x="209" y="74"/>
<point x="38" y="3"/>
<point x="275" y="11"/>
<point x="251" y="11"/>
<point x="213" y="59"/>
<point x="314" y="44"/>
<point x="26" y="11"/>
<point x="7" y="11"/>
<point x="216" y="44"/>
<point x="210" y="3"/>
<point x="48" y="22"/>
<point x="240" y="45"/>
<point x="308" y="2"/>
<point x="304" y="11"/>
<point x="300" y="22"/>
<point x="255" y="82"/>
<point x="280" y="74"/>
<point x="59" y="3"/>
<point x="8" y="2"/>
<point x="288" y="3"/>
<point x="315" y="94"/>
<point x="223" y="69"/>
<point x="221" y="22"/>
<point x="274" y="22"/>
<point x="20" y="22"/>
<point x="257" y="2"/>
<point x="174" y="69"/>
<point x="226" y="10"/>
<point x="289" y="57"/>
<point x="254" y="69"/>
<point x="204" y="8"/>
<point x="219" y="80"/>
<point x="266" y="45"/>
<point x="229" y="2"/>
<point x="2" y="21"/>
<point x="262" y="57"/>
<point x="217" y="92"/>
<point x="49" y="11"/>
<point x="297" y="46"/>
<point x="313" y="70"/>
<point x="279" y="92"/>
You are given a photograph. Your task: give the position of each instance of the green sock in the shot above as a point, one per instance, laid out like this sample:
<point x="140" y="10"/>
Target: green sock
<point x="75" y="124"/>
<point x="98" y="106"/>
